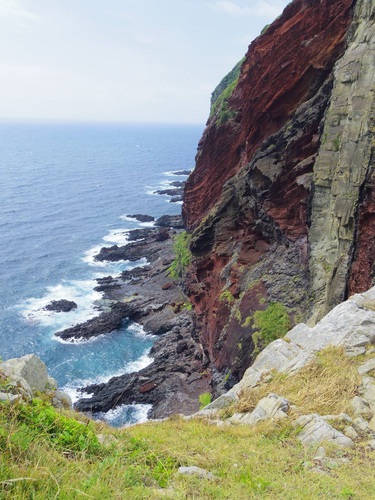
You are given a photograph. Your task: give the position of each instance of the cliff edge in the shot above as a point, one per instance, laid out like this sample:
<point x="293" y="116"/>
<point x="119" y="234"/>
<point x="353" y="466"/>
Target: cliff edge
<point x="280" y="205"/>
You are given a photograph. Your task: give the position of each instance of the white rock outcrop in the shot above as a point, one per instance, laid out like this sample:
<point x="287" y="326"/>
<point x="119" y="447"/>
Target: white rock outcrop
<point x="270" y="407"/>
<point x="351" y="325"/>
<point x="314" y="429"/>
<point x="29" y="368"/>
<point x="27" y="375"/>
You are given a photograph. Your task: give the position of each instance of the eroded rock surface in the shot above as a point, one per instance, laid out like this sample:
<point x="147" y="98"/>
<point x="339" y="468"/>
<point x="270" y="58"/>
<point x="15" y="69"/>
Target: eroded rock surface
<point x="179" y="371"/>
<point x="281" y="202"/>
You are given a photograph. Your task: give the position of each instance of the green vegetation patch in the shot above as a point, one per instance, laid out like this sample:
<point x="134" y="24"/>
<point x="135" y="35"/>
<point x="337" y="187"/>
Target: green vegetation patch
<point x="204" y="399"/>
<point x="226" y="296"/>
<point x="66" y="434"/>
<point x="272" y="323"/>
<point x="182" y="258"/>
<point x="222" y="93"/>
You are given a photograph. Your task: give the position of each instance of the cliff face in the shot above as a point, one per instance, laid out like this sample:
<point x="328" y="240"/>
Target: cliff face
<point x="281" y="203"/>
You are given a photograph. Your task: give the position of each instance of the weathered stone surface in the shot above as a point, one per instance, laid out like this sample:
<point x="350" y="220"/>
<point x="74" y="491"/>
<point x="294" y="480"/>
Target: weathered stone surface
<point x="171" y="383"/>
<point x="341" y="417"/>
<point x="11" y="398"/>
<point x="195" y="471"/>
<point x="275" y="78"/>
<point x="349" y="324"/>
<point x="315" y="430"/>
<point x="343" y="164"/>
<point x="367" y="367"/>
<point x="174" y="221"/>
<point x="248" y="200"/>
<point x="350" y="432"/>
<point x="61" y="399"/>
<point x="280" y="356"/>
<point x="367" y="390"/>
<point x="281" y="203"/>
<point x="371" y="444"/>
<point x="18" y="385"/>
<point x="52" y="383"/>
<point x="106" y="322"/>
<point x="361" y="407"/>
<point x="270" y="407"/>
<point x="360" y="424"/>
<point x="30" y="368"/>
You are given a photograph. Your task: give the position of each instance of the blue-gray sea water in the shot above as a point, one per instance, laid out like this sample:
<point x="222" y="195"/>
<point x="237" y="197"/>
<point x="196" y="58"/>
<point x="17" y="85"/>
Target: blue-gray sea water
<point x="65" y="192"/>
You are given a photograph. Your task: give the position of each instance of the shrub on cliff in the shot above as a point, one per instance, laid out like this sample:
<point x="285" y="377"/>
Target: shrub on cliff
<point x="222" y="93"/>
<point x="181" y="247"/>
<point x="273" y="323"/>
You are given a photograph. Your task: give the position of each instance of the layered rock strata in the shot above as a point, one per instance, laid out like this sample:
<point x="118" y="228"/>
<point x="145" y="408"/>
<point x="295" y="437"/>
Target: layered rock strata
<point x="280" y="205"/>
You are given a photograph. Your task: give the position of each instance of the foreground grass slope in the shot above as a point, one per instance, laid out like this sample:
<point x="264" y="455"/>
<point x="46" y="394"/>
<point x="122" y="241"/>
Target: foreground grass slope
<point x="45" y="453"/>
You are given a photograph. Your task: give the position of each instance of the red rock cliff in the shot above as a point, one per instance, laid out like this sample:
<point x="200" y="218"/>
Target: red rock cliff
<point x="282" y="69"/>
<point x="272" y="168"/>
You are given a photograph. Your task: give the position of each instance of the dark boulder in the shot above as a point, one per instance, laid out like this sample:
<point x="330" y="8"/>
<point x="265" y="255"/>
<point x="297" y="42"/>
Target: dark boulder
<point x="174" y="221"/>
<point x="106" y="322"/>
<point x="141" y="217"/>
<point x="182" y="172"/>
<point x="62" y="305"/>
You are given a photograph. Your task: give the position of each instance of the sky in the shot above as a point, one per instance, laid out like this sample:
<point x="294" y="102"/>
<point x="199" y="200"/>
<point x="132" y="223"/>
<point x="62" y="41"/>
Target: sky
<point x="142" y="61"/>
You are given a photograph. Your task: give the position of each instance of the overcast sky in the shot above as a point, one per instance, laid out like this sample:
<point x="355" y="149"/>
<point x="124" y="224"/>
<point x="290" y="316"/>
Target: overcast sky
<point x="121" y="60"/>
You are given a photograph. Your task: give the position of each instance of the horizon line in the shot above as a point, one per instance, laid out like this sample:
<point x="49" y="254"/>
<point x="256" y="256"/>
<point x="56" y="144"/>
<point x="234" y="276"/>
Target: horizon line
<point x="40" y="121"/>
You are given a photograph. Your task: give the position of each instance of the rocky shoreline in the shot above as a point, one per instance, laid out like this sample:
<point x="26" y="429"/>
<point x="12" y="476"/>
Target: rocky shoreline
<point x="146" y="294"/>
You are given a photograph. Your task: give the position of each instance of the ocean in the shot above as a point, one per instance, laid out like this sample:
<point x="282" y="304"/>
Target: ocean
<point x="66" y="191"/>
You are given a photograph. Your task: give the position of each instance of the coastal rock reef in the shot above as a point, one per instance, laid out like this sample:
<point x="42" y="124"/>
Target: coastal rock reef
<point x="280" y="206"/>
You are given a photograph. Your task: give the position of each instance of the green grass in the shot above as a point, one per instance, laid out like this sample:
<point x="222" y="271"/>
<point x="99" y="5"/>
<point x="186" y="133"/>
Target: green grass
<point x="47" y="453"/>
<point x="142" y="463"/>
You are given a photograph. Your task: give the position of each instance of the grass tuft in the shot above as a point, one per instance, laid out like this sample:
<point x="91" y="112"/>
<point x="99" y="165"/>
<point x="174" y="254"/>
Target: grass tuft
<point x="325" y="385"/>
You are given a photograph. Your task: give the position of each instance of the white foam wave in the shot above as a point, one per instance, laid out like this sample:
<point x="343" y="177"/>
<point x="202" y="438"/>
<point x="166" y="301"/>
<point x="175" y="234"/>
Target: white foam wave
<point x="138" y="414"/>
<point x="172" y="173"/>
<point x="74" y="388"/>
<point x="79" y="340"/>
<point x="89" y="257"/>
<point x="127" y="218"/>
<point x="118" y="267"/>
<point x="151" y="191"/>
<point x="117" y="236"/>
<point x="165" y="185"/>
<point x="139" y="364"/>
<point x="80" y="292"/>
<point x="138" y="331"/>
